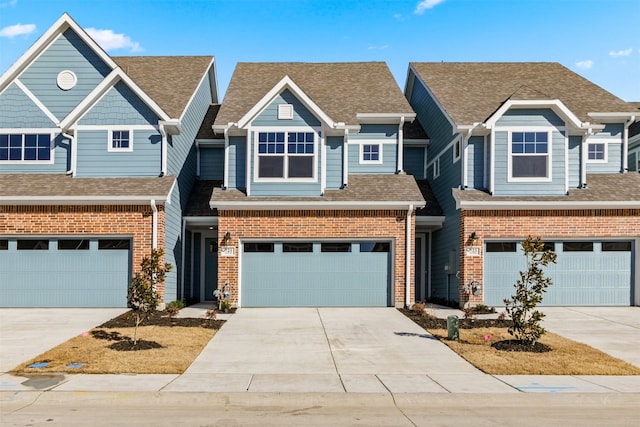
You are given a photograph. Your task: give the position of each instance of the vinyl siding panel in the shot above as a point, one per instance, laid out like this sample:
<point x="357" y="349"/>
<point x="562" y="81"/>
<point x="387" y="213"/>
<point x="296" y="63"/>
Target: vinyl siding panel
<point x="301" y="115"/>
<point x="17" y="110"/>
<point x="335" y="147"/>
<point x="383" y="132"/>
<point x="555" y="187"/>
<point x="120" y="106"/>
<point x="68" y="52"/>
<point x="182" y="162"/>
<point x="530" y="117"/>
<point x="237" y="162"/>
<point x="475" y="162"/>
<point x="211" y="163"/>
<point x="413" y="161"/>
<point x="388" y="165"/>
<point x="614" y="160"/>
<point x="575" y="161"/>
<point x="95" y="161"/>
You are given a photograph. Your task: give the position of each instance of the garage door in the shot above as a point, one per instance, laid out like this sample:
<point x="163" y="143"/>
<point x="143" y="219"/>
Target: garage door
<point x="587" y="273"/>
<point x="316" y="274"/>
<point x="64" y="272"/>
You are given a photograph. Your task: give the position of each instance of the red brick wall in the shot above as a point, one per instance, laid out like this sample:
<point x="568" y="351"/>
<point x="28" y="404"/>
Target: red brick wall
<point x="548" y="224"/>
<point x="388" y="224"/>
<point x="127" y="221"/>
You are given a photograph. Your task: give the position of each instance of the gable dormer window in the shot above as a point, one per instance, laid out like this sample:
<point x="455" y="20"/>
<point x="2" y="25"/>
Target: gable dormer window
<point x="370" y="153"/>
<point x="529" y="156"/>
<point x="597" y="152"/>
<point x="286" y="155"/>
<point x="25" y="147"/>
<point x="120" y="140"/>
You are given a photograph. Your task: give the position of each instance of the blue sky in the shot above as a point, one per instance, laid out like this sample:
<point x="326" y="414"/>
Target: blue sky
<point x="599" y="39"/>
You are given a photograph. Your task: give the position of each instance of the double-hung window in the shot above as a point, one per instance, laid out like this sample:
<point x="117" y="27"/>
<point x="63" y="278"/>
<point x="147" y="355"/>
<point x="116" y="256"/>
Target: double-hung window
<point x="286" y="155"/>
<point x="25" y="147"/>
<point x="530" y="155"/>
<point x="120" y="140"/>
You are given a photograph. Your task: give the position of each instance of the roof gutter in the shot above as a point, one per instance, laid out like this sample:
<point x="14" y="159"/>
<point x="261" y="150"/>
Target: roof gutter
<point x="74" y="154"/>
<point x="79" y="200"/>
<point x="314" y="205"/>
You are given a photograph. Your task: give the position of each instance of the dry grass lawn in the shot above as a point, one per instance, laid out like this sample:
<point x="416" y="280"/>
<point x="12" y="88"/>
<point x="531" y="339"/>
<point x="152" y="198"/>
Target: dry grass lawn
<point x="180" y="345"/>
<point x="566" y="357"/>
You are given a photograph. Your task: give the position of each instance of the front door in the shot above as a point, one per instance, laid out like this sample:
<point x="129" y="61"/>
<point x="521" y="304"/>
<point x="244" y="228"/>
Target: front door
<point x="210" y="267"/>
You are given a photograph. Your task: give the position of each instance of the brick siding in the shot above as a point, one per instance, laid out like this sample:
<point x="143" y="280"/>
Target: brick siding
<point x="130" y="221"/>
<point x="387" y="224"/>
<point x="590" y="224"/>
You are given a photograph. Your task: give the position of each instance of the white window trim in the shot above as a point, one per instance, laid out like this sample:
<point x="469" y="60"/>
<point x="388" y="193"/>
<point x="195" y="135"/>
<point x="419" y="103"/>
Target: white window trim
<point x="285" y="111"/>
<point x="361" y="153"/>
<point x="41" y="131"/>
<point x="316" y="144"/>
<point x="605" y="159"/>
<point x="436" y="167"/>
<point x="549" y="131"/>
<point x="458" y="143"/>
<point x="111" y="148"/>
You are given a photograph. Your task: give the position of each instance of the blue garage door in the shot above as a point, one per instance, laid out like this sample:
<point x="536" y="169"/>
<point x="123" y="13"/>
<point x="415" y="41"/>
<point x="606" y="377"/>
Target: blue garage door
<point x="316" y="274"/>
<point x="587" y="273"/>
<point x="57" y="272"/>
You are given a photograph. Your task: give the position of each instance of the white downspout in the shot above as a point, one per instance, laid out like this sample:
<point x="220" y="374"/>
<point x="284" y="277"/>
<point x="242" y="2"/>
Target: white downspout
<point x="154" y="226"/>
<point x="163" y="160"/>
<point x="583" y="158"/>
<point x="345" y="159"/>
<point x="400" y="162"/>
<point x="225" y="183"/>
<point x="250" y="157"/>
<point x="625" y="144"/>
<point x="407" y="262"/>
<point x="74" y="154"/>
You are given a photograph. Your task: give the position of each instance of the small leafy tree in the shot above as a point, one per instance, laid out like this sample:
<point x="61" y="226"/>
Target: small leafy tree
<point x="529" y="292"/>
<point x="143" y="295"/>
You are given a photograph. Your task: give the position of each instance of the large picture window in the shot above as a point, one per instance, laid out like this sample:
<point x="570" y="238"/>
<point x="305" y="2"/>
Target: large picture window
<point x="286" y="154"/>
<point x="25" y="147"/>
<point x="530" y="155"/>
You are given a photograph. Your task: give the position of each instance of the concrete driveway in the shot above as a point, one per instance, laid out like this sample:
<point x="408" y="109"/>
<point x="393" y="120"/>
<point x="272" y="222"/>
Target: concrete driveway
<point x="28" y="332"/>
<point x="328" y="350"/>
<point x="613" y="330"/>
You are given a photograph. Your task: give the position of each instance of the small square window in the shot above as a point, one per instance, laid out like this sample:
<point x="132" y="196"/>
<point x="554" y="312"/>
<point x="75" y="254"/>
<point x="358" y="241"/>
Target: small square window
<point x="120" y="140"/>
<point x="4" y="245"/>
<point x="597" y="152"/>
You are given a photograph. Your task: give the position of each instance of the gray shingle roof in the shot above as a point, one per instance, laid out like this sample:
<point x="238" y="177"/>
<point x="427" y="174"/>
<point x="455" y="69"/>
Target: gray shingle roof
<point x="472" y="92"/>
<point x="169" y="80"/>
<point x="205" y="131"/>
<point x="339" y="89"/>
<point x="634" y="129"/>
<point x="619" y="187"/>
<point x="369" y="188"/>
<point x="201" y="193"/>
<point x="32" y="187"/>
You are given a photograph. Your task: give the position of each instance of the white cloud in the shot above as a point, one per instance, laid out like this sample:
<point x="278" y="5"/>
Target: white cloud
<point x="8" y="3"/>
<point x="585" y="64"/>
<point x="397" y="16"/>
<point x="426" y="4"/>
<point x="381" y="47"/>
<point x="17" y="30"/>
<point x="109" y="40"/>
<point x="619" y="53"/>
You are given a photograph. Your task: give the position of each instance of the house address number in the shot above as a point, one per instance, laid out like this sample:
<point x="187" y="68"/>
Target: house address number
<point x="227" y="251"/>
<point x="472" y="251"/>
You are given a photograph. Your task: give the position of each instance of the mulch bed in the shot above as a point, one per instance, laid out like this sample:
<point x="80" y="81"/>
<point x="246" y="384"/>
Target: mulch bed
<point x="430" y="322"/>
<point x="160" y="318"/>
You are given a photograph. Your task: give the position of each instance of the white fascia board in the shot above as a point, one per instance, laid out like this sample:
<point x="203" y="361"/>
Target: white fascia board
<point x="613" y="117"/>
<point x="80" y="200"/>
<point x="555" y="104"/>
<point x="60" y="26"/>
<point x="440" y="107"/>
<point x="205" y="76"/>
<point x="315" y="205"/>
<point x="203" y="220"/>
<point x="545" y="205"/>
<point x="210" y="142"/>
<point x="99" y="91"/>
<point x="285" y="83"/>
<point x="37" y="102"/>
<point x="436" y="221"/>
<point x="384" y="118"/>
<point x="416" y="141"/>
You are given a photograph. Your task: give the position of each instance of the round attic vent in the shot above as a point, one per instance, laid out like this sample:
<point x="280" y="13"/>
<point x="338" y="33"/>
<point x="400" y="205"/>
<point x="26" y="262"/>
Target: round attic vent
<point x="66" y="79"/>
